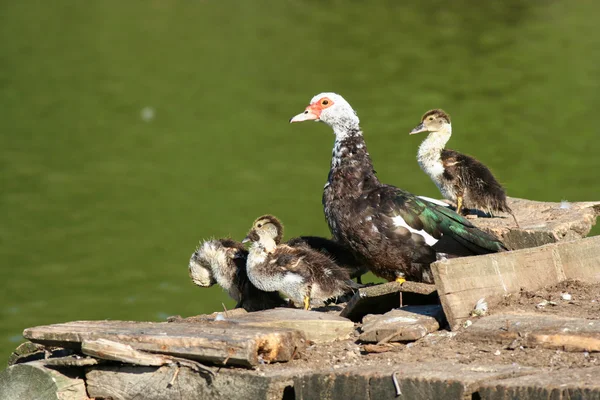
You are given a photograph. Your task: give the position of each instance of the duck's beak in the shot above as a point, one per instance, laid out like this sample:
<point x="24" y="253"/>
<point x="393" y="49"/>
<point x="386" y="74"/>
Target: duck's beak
<point x="418" y="129"/>
<point x="246" y="240"/>
<point x="310" y="114"/>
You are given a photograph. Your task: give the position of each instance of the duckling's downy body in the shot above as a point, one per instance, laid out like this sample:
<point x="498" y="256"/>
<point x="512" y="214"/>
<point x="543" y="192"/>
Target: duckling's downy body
<point x="223" y="261"/>
<point x="304" y="275"/>
<point x="459" y="177"/>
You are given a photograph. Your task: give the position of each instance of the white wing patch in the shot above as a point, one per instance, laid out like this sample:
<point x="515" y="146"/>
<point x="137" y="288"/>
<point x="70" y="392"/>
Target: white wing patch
<point x="399" y="221"/>
<point x="434" y="201"/>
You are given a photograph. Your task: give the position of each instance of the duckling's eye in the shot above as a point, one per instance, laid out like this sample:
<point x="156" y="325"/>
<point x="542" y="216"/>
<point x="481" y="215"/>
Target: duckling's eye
<point x="259" y="225"/>
<point x="431" y="118"/>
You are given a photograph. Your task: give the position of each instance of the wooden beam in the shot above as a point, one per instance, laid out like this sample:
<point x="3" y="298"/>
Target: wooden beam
<point x="33" y="380"/>
<point x="461" y="282"/>
<point x="532" y="330"/>
<point x="216" y="342"/>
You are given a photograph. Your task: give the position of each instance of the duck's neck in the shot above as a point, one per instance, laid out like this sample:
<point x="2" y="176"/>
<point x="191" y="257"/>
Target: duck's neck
<point x="351" y="166"/>
<point x="430" y="151"/>
<point x="223" y="272"/>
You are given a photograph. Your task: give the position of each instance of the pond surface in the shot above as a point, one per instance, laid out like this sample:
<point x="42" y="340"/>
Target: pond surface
<point x="130" y="130"/>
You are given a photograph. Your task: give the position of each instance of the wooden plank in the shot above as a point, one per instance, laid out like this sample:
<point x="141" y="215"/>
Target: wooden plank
<point x="542" y="222"/>
<point x="318" y="327"/>
<point x="168" y="382"/>
<point x="33" y="380"/>
<point x="461" y="282"/>
<point x="415" y="381"/>
<point x="217" y="342"/>
<point x="579" y="383"/>
<point x="379" y="299"/>
<point x="532" y="330"/>
<point x="407" y="324"/>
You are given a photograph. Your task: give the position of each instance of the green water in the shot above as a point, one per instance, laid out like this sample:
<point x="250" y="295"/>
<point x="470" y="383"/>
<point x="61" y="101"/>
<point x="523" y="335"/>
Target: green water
<point x="100" y="209"/>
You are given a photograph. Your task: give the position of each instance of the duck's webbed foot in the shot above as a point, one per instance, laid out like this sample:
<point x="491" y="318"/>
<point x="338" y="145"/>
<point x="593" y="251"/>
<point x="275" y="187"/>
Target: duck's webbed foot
<point x="400" y="280"/>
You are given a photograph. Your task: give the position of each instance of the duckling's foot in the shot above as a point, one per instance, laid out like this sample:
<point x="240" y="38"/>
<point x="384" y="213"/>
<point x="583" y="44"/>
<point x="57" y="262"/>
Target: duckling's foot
<point x="307" y="302"/>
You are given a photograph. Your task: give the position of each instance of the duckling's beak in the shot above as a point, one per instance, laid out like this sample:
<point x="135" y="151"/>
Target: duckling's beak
<point x="310" y="114"/>
<point x="246" y="240"/>
<point x="418" y="129"/>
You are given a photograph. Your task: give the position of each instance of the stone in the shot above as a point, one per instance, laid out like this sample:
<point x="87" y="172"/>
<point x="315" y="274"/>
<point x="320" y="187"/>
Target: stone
<point x="402" y="325"/>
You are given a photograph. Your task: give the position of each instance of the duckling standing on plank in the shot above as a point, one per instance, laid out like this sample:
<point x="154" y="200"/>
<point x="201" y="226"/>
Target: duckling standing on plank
<point x="459" y="177"/>
<point x="304" y="275"/>
<point x="223" y="261"/>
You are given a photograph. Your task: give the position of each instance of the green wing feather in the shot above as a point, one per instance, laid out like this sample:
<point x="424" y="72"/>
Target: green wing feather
<point x="438" y="220"/>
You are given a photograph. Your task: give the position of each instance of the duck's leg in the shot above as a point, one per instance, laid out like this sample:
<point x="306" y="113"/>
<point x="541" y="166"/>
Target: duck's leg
<point x="400" y="279"/>
<point x="459" y="204"/>
<point x="307" y="301"/>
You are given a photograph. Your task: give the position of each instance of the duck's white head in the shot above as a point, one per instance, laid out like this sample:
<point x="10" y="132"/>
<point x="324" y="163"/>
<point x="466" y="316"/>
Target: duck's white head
<point x="332" y="109"/>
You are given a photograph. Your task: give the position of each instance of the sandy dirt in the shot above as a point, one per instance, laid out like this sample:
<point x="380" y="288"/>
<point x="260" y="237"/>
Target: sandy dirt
<point x="450" y="346"/>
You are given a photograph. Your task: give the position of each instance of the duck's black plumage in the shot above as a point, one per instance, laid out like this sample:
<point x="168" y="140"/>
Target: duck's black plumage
<point x="461" y="178"/>
<point x="395" y="233"/>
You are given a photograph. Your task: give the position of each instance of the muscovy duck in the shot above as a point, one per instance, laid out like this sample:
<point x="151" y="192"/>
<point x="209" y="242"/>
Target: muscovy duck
<point x="396" y="233"/>
<point x="306" y="276"/>
<point x="459" y="177"/>
<point x="223" y="261"/>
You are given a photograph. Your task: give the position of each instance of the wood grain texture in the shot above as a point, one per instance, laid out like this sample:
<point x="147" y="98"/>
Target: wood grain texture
<point x="532" y="330"/>
<point x="33" y="380"/>
<point x="217" y="342"/>
<point x="461" y="282"/>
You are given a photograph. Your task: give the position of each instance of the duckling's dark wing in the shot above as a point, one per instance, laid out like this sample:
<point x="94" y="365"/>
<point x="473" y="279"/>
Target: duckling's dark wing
<point x="398" y="208"/>
<point x="474" y="175"/>
<point x="340" y="254"/>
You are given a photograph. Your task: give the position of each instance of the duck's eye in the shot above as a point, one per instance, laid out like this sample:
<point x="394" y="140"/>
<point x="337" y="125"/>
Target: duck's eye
<point x="325" y="102"/>
<point x="259" y="225"/>
<point x="431" y="118"/>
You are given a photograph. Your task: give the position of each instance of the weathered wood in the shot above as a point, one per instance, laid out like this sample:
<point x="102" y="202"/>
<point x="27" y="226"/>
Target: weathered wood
<point x="211" y="341"/>
<point x="71" y="361"/>
<point x="461" y="282"/>
<point x="580" y="383"/>
<point x="404" y="325"/>
<point x="318" y="327"/>
<point x="158" y="383"/>
<point x="33" y="380"/>
<point x="114" y="351"/>
<point x="379" y="299"/>
<point x="531" y="330"/>
<point x="419" y="381"/>
<point x="542" y="222"/>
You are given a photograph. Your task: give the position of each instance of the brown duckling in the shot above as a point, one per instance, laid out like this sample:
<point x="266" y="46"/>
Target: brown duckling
<point x="304" y="275"/>
<point x="340" y="254"/>
<point x="459" y="177"/>
<point x="223" y="261"/>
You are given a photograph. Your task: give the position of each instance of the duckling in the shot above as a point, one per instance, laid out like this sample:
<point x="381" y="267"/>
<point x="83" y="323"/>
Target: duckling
<point x="340" y="254"/>
<point x="304" y="275"/>
<point x="459" y="177"/>
<point x="223" y="261"/>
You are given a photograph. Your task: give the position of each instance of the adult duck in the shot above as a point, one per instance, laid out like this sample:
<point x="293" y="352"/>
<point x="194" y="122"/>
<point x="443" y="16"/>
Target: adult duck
<point x="396" y="233"/>
<point x="459" y="177"/>
<point x="308" y="277"/>
<point x="223" y="261"/>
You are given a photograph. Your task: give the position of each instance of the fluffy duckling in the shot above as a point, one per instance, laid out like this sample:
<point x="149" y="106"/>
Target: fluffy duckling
<point x="304" y="275"/>
<point x="223" y="261"/>
<point x="459" y="177"/>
